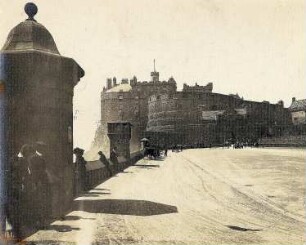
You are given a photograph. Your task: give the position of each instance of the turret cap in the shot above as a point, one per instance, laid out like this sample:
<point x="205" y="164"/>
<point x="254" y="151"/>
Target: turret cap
<point x="31" y="10"/>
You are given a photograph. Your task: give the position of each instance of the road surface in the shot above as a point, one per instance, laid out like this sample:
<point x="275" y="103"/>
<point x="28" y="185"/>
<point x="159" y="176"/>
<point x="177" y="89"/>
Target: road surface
<point x="198" y="196"/>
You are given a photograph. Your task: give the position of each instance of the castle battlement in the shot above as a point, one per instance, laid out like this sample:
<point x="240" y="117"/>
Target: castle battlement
<point x="111" y="83"/>
<point x="198" y="89"/>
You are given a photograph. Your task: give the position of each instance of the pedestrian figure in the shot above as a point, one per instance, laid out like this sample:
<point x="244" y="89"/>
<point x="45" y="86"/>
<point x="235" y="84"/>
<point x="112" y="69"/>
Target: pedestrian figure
<point x="19" y="198"/>
<point x="106" y="163"/>
<point x="114" y="158"/>
<point x="157" y="152"/>
<point x="40" y="188"/>
<point x="42" y="150"/>
<point x="79" y="171"/>
<point x="46" y="178"/>
<point x="166" y="151"/>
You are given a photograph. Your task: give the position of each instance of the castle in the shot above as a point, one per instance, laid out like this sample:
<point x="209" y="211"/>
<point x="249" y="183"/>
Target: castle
<point x="128" y="101"/>
<point x="194" y="116"/>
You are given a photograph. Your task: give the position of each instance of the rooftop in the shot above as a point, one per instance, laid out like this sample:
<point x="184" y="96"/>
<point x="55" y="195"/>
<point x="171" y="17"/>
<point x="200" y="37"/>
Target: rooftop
<point x="30" y="35"/>
<point x="123" y="87"/>
<point x="298" y="105"/>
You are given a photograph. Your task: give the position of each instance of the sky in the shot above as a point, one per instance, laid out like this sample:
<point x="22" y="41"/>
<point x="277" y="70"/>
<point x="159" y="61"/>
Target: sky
<point x="255" y="48"/>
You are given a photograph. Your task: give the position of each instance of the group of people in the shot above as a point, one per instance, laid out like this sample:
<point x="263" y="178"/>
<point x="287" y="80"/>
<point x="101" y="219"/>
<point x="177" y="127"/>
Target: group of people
<point x="29" y="180"/>
<point x="80" y="184"/>
<point x="241" y="144"/>
<point x="28" y="189"/>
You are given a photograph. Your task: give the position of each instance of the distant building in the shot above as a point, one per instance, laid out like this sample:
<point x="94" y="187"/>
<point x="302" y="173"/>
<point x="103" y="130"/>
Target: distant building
<point x="298" y="111"/>
<point x="194" y="115"/>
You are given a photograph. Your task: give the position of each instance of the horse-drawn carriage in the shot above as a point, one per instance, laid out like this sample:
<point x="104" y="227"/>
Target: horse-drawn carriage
<point x="150" y="150"/>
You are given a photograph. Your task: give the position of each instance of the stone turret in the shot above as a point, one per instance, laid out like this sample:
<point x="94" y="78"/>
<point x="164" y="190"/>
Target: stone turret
<point x="119" y="134"/>
<point x="155" y="74"/>
<point x="39" y="93"/>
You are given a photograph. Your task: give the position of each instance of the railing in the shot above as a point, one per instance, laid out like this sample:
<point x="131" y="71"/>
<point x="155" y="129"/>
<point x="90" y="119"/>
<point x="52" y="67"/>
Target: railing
<point x="96" y="172"/>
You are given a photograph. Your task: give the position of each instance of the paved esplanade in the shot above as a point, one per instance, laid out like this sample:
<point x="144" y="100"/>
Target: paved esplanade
<point x="201" y="196"/>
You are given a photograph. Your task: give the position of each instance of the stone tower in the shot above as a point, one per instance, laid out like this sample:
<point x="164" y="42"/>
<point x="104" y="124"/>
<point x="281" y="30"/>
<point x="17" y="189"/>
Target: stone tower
<point x="39" y="84"/>
<point x="155" y="74"/>
<point x="119" y="134"/>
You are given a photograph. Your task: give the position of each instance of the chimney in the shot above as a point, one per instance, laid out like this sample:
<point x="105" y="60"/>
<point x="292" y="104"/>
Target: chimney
<point x="133" y="81"/>
<point x="293" y="99"/>
<point x="281" y="103"/>
<point x="114" y="82"/>
<point x="109" y="83"/>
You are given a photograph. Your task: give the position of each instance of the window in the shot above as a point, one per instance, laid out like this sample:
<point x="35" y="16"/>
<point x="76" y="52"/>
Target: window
<point x="120" y="97"/>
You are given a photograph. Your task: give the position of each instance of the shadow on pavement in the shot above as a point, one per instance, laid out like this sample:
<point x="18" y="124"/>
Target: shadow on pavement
<point x="74" y="217"/>
<point x="123" y="207"/>
<point x="101" y="189"/>
<point x="47" y="242"/>
<point x="94" y="193"/>
<point x="60" y="228"/>
<point x="158" y="159"/>
<point x="147" y="166"/>
<point x="237" y="228"/>
<point x="90" y="195"/>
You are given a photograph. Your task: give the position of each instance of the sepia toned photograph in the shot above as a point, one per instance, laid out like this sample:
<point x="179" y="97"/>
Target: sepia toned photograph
<point x="152" y="122"/>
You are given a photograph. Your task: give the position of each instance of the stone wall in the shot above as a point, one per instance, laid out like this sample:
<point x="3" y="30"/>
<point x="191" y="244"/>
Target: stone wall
<point x="96" y="171"/>
<point x="212" y="118"/>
